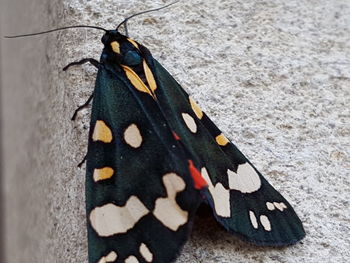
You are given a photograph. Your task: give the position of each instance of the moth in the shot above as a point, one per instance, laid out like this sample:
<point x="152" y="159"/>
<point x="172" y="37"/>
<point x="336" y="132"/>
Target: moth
<point x="154" y="157"/>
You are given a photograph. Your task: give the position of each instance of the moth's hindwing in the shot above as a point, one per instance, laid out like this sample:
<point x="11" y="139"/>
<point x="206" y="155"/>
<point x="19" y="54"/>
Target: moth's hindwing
<point x="140" y="195"/>
<point x="242" y="200"/>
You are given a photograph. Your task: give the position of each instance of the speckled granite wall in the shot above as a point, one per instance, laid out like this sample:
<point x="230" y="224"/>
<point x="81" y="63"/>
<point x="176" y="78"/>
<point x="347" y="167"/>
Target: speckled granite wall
<point x="274" y="75"/>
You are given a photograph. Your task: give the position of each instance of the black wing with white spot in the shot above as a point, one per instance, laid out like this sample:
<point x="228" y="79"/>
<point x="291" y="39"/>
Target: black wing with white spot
<point x="147" y="142"/>
<point x="140" y="192"/>
<point x="242" y="200"/>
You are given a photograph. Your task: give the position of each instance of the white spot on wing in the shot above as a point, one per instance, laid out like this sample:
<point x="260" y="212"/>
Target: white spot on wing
<point x="102" y="132"/>
<point x="265" y="222"/>
<point x="133" y="136"/>
<point x="190" y="122"/>
<point x="131" y="259"/>
<point x="283" y="205"/>
<point x="253" y="219"/>
<point x="111" y="257"/>
<point x="220" y="195"/>
<point x="278" y="206"/>
<point x="270" y="206"/>
<point x="166" y="209"/>
<point x="246" y="180"/>
<point x="110" y="219"/>
<point x="146" y="253"/>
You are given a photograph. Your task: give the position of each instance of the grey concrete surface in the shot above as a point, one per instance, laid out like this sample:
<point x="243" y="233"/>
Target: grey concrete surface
<point x="274" y="75"/>
<point x="33" y="134"/>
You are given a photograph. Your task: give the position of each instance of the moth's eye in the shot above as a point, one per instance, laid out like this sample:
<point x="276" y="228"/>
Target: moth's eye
<point x="105" y="39"/>
<point x="132" y="58"/>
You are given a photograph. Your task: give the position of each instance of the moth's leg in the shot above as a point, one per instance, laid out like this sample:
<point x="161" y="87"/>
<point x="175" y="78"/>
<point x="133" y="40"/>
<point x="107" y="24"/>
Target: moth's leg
<point x="74" y="117"/>
<point x="93" y="62"/>
<point x="82" y="107"/>
<point x="83" y="161"/>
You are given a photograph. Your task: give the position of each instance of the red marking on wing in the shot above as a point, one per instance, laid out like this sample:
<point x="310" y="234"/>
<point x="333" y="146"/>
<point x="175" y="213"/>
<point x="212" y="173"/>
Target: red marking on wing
<point x="176" y="136"/>
<point x="199" y="181"/>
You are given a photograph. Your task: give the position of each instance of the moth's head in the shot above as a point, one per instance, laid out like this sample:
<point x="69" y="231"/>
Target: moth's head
<point x="110" y="36"/>
<point x="124" y="49"/>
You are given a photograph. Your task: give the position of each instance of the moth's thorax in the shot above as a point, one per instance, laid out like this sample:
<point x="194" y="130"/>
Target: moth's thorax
<point x="121" y="49"/>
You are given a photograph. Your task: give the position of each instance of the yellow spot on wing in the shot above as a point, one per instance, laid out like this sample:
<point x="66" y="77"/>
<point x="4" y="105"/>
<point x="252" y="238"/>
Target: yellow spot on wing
<point x="102" y="132"/>
<point x="136" y="81"/>
<point x="115" y="47"/>
<point x="221" y="140"/>
<point x="103" y="173"/>
<point x="149" y="76"/>
<point x="197" y="110"/>
<point x="133" y="42"/>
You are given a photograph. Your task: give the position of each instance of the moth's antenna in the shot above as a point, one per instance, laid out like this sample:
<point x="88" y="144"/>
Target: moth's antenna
<point x="143" y="12"/>
<point x="57" y="29"/>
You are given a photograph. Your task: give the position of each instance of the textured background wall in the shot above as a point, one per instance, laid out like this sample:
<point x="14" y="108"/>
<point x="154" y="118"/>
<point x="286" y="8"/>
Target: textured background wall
<point x="274" y="75"/>
<point x="32" y="129"/>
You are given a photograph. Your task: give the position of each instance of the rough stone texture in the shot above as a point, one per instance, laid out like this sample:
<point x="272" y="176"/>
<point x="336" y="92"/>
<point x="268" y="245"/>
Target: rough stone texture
<point x="274" y="76"/>
<point x="32" y="121"/>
